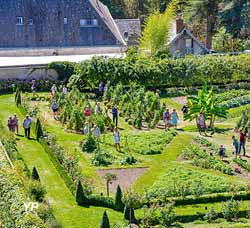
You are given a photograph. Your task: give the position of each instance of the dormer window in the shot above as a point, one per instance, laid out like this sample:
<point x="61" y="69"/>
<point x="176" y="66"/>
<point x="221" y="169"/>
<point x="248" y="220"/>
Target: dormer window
<point x="88" y="22"/>
<point x="30" y="21"/>
<point x="65" y="20"/>
<point x="19" y="21"/>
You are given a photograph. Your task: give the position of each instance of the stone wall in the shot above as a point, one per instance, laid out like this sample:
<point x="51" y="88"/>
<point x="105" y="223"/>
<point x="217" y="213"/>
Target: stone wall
<point x="27" y="73"/>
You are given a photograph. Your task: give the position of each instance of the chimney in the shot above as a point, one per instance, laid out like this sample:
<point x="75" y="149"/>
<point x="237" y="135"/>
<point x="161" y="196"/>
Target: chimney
<point x="179" y="23"/>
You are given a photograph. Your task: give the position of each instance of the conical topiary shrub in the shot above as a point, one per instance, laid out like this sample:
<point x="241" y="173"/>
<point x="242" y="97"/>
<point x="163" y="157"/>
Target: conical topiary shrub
<point x="105" y="221"/>
<point x="35" y="175"/>
<point x="81" y="199"/>
<point x="129" y="214"/>
<point x="118" y="199"/>
<point x="18" y="97"/>
<point x="39" y="130"/>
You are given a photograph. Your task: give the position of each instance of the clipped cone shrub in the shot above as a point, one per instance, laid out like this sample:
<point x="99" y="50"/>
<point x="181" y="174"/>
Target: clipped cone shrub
<point x="39" y="130"/>
<point x="81" y="199"/>
<point x="129" y="212"/>
<point x="35" y="175"/>
<point x="105" y="221"/>
<point x="118" y="199"/>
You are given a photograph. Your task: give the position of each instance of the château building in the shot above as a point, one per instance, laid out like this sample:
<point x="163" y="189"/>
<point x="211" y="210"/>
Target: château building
<point x="57" y="23"/>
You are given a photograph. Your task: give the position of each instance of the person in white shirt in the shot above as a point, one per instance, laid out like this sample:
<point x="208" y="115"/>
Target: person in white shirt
<point x="53" y="90"/>
<point x="86" y="128"/>
<point x="64" y="90"/>
<point x="96" y="131"/>
<point x="117" y="139"/>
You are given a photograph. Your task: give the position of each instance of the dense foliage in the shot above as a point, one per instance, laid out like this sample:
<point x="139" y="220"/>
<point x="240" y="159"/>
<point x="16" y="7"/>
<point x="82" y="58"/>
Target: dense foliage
<point x="154" y="72"/>
<point x="207" y="104"/>
<point x="202" y="158"/>
<point x="244" y="122"/>
<point x="184" y="182"/>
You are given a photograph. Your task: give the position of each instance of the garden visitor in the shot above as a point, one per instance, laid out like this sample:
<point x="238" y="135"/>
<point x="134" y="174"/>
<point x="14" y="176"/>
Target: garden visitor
<point x="64" y="90"/>
<point x="201" y="123"/>
<point x="26" y="125"/>
<point x="96" y="131"/>
<point x="115" y="115"/>
<point x="184" y="110"/>
<point x="117" y="139"/>
<point x="101" y="88"/>
<point x="242" y="142"/>
<point x="33" y="86"/>
<point x="167" y="119"/>
<point x="97" y="108"/>
<point x="53" y="90"/>
<point x="87" y="112"/>
<point x="174" y="118"/>
<point x="15" y="123"/>
<point x="54" y="107"/>
<point x="86" y="128"/>
<point x="236" y="146"/>
<point x="105" y="87"/>
<point x="10" y="124"/>
<point x="221" y="152"/>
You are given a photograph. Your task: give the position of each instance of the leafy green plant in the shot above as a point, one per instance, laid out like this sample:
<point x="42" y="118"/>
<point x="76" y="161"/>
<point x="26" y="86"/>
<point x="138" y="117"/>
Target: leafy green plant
<point x="205" y="103"/>
<point x="36" y="191"/>
<point x="101" y="158"/>
<point x="211" y="215"/>
<point x="89" y="145"/>
<point x="230" y="209"/>
<point x="244" y="122"/>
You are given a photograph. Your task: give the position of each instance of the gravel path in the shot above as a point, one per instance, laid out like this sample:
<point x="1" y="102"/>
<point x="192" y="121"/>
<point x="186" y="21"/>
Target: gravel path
<point x="125" y="177"/>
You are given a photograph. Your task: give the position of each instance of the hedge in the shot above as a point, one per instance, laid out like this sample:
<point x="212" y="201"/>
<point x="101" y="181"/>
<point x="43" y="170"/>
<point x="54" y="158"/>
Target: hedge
<point x="155" y="72"/>
<point x="67" y="180"/>
<point x="211" y="198"/>
<point x="200" y="216"/>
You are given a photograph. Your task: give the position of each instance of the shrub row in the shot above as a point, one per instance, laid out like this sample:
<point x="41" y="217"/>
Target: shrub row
<point x="153" y="72"/>
<point x="10" y="85"/>
<point x="219" y="197"/>
<point x="200" y="216"/>
<point x="62" y="172"/>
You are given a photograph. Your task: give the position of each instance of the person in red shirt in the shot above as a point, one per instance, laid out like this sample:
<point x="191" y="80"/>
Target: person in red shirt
<point x="87" y="112"/>
<point x="242" y="142"/>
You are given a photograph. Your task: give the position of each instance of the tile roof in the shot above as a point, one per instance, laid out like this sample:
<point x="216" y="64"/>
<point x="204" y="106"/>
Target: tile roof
<point x="104" y="13"/>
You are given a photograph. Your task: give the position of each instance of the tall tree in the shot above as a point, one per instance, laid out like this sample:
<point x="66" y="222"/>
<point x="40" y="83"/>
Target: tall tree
<point x="197" y="10"/>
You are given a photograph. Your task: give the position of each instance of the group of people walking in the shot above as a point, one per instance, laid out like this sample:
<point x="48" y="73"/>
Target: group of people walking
<point x="240" y="144"/>
<point x="13" y="125"/>
<point x="170" y="119"/>
<point x="95" y="130"/>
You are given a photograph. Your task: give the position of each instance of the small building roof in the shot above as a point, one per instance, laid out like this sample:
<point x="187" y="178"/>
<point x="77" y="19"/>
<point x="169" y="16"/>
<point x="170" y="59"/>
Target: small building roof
<point x="186" y="31"/>
<point x="104" y="13"/>
<point x="130" y="26"/>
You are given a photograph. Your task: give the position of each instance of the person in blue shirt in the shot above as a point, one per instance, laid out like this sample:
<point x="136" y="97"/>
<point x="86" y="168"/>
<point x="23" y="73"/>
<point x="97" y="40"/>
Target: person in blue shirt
<point x="115" y="115"/>
<point x="26" y="125"/>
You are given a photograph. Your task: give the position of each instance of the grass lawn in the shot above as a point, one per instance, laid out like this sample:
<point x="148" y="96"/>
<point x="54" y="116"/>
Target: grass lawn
<point x="62" y="201"/>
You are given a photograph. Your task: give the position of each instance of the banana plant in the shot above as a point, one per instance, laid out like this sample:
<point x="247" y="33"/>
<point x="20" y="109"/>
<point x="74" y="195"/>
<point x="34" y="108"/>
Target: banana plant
<point x="207" y="104"/>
